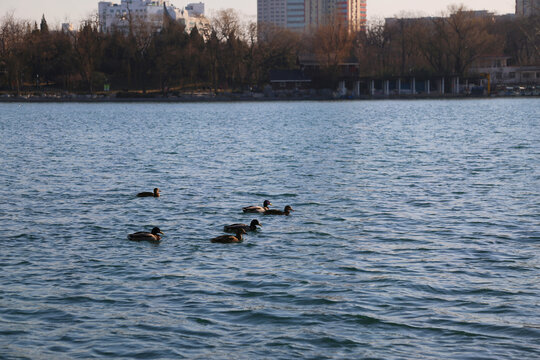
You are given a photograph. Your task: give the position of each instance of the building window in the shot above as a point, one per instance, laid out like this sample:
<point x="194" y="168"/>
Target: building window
<point x="512" y="75"/>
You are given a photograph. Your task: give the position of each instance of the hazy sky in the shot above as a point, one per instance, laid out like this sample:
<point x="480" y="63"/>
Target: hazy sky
<point x="58" y="11"/>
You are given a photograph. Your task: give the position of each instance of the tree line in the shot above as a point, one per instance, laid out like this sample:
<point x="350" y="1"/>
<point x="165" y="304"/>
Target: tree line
<point x="231" y="54"/>
<point x="449" y="44"/>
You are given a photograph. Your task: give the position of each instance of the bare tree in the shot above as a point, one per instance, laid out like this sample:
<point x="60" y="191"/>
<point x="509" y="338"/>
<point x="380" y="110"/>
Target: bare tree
<point x="141" y="38"/>
<point x="226" y="24"/>
<point x="227" y="28"/>
<point x="87" y="46"/>
<point x="453" y="42"/>
<point x="332" y="42"/>
<point x="251" y="39"/>
<point x="521" y="39"/>
<point x="12" y="36"/>
<point x="277" y="48"/>
<point x="374" y="49"/>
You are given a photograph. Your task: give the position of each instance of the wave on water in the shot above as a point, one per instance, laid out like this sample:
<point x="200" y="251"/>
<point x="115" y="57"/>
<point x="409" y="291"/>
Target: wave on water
<point x="415" y="232"/>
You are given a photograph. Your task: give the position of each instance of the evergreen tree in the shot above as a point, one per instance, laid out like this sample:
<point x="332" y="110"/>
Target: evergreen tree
<point x="44" y="27"/>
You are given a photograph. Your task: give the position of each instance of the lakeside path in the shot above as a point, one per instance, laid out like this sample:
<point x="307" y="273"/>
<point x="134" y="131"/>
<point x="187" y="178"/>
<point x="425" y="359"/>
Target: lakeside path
<point x="239" y="98"/>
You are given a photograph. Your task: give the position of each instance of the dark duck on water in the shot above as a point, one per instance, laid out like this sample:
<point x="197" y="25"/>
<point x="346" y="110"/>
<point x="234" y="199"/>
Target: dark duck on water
<point x="251" y="227"/>
<point x="149" y="194"/>
<point x="152" y="236"/>
<point x="229" y="239"/>
<point x="285" y="211"/>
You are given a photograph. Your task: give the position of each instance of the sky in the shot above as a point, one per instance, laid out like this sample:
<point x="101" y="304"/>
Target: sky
<point x="59" y="11"/>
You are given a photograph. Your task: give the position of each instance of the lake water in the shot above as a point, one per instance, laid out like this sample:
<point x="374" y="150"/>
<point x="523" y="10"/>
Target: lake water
<point x="416" y="233"/>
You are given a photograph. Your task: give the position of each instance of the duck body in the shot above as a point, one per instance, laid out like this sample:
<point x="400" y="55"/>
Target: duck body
<point x="234" y="227"/>
<point x="152" y="236"/>
<point x="257" y="209"/>
<point x="229" y="239"/>
<point x="285" y="211"/>
<point x="155" y="193"/>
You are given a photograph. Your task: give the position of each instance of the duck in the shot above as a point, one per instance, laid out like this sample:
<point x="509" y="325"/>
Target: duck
<point x="229" y="239"/>
<point x="285" y="211"/>
<point x="251" y="227"/>
<point x="146" y="236"/>
<point x="149" y="194"/>
<point x="257" y="209"/>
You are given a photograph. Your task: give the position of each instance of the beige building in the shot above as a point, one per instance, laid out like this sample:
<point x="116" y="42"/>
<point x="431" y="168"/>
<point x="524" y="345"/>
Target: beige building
<point x="501" y="73"/>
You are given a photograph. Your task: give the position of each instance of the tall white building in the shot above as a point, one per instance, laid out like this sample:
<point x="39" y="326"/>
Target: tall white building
<point x="195" y="9"/>
<point x="527" y="7"/>
<point x="132" y="13"/>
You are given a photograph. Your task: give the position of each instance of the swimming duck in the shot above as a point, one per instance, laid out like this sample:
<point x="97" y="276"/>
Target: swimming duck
<point x="286" y="211"/>
<point x="250" y="227"/>
<point x="229" y="239"/>
<point x="149" y="194"/>
<point x="257" y="209"/>
<point x="146" y="236"/>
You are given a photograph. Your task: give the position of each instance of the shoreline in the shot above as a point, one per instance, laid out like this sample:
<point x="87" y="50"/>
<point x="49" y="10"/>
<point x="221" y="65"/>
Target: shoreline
<point x="229" y="98"/>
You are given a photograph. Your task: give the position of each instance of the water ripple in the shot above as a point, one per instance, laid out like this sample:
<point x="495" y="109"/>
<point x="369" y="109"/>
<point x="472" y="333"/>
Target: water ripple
<point x="416" y="231"/>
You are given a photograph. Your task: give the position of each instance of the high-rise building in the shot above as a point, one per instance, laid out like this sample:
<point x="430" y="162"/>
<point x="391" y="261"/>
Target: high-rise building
<point x="273" y="12"/>
<point x="358" y="18"/>
<point x="527" y="7"/>
<point x="352" y="12"/>
<point x="307" y="15"/>
<point x="296" y="15"/>
<point x="315" y="13"/>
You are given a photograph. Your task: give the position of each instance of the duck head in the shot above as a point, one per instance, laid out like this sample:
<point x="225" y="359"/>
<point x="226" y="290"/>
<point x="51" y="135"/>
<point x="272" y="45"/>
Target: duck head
<point x="156" y="192"/>
<point x="288" y="208"/>
<point x="267" y="203"/>
<point x="254" y="223"/>
<point x="156" y="231"/>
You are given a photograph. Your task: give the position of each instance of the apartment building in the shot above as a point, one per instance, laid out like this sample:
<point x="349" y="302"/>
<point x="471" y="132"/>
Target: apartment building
<point x="130" y="14"/>
<point x="307" y="15"/>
